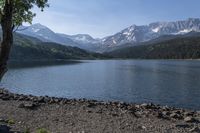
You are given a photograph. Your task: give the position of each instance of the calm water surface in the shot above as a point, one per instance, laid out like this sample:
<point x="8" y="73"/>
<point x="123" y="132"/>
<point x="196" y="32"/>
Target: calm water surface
<point x="166" y="82"/>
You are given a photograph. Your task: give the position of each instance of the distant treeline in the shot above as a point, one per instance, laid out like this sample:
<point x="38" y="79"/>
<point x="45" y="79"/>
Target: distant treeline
<point x="178" y="48"/>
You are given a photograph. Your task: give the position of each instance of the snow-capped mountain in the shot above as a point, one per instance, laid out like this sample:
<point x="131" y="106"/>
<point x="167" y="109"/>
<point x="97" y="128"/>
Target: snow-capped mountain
<point x="83" y="39"/>
<point x="134" y="34"/>
<point x="45" y="34"/>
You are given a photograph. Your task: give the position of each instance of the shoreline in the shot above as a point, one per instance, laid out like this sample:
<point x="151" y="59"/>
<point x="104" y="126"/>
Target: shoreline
<point x="58" y="115"/>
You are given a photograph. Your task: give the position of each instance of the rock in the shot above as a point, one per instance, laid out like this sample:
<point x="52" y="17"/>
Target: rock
<point x="142" y="127"/>
<point x="4" y="129"/>
<point x="46" y="99"/>
<point x="27" y="105"/>
<point x="188" y="113"/>
<point x="165" y="108"/>
<point x="198" y="112"/>
<point x="175" y="116"/>
<point x="195" y="129"/>
<point x="90" y="105"/>
<point x="183" y="126"/>
<point x="163" y="115"/>
<point x="137" y="106"/>
<point x="178" y="112"/>
<point x="40" y="99"/>
<point x="88" y="111"/>
<point x="190" y="119"/>
<point x="6" y="97"/>
<point x="144" y="105"/>
<point x="3" y="120"/>
<point x="166" y="113"/>
<point x="56" y="100"/>
<point x="21" y="98"/>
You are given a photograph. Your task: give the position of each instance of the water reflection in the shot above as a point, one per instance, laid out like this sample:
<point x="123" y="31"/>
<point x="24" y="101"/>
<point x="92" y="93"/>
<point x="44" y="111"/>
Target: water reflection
<point x="37" y="63"/>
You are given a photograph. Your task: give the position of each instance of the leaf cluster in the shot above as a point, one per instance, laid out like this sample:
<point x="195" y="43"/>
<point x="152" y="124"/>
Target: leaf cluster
<point x="22" y="10"/>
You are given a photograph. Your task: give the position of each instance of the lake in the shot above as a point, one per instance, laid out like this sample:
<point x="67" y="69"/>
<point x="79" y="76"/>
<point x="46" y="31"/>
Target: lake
<point x="166" y="82"/>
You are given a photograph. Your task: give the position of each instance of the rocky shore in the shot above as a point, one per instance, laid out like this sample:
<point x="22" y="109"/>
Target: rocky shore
<point x="30" y="114"/>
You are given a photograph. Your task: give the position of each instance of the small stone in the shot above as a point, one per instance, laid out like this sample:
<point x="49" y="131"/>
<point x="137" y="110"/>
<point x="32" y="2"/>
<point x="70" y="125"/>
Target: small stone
<point x="142" y="127"/>
<point x="56" y="100"/>
<point x="27" y="105"/>
<point x="189" y="119"/>
<point x="165" y="113"/>
<point x="40" y="99"/>
<point x="175" y="116"/>
<point x="5" y="98"/>
<point x="88" y="111"/>
<point x="177" y="112"/>
<point x="166" y="108"/>
<point x="3" y="120"/>
<point x="198" y="112"/>
<point x="115" y="114"/>
<point x="188" y="113"/>
<point x="195" y="129"/>
<point x="137" y="106"/>
<point x="183" y="126"/>
<point x="90" y="105"/>
<point x="144" y="105"/>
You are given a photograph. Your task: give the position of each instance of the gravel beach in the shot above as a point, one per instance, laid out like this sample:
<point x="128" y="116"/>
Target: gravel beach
<point x="25" y="113"/>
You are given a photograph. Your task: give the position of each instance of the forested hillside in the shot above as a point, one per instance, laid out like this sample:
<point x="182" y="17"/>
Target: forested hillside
<point x="30" y="48"/>
<point x="178" y="48"/>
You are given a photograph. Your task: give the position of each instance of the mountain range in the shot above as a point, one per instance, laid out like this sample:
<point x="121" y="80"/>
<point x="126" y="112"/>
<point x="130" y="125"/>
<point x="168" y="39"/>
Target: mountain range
<point x="29" y="48"/>
<point x="133" y="35"/>
<point x="136" y="34"/>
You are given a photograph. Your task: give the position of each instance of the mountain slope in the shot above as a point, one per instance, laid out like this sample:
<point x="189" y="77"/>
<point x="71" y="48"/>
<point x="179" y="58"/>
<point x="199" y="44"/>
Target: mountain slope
<point x="178" y="48"/>
<point x="85" y="41"/>
<point x="45" y="34"/>
<point x="135" y="34"/>
<point x="29" y="48"/>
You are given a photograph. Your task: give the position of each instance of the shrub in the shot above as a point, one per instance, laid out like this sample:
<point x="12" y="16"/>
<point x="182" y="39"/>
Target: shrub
<point x="42" y="130"/>
<point x="11" y="122"/>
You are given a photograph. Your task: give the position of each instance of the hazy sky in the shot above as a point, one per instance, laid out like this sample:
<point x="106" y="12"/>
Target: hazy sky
<point x="100" y="18"/>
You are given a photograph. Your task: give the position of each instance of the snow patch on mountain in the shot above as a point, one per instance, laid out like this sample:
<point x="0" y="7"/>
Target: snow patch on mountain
<point x="135" y="34"/>
<point x="156" y="29"/>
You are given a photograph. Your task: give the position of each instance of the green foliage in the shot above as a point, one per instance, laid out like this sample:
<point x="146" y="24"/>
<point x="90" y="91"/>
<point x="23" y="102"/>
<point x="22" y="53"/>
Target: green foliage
<point x="30" y="48"/>
<point x="178" y="48"/>
<point x="22" y="9"/>
<point x="11" y="122"/>
<point x="42" y="130"/>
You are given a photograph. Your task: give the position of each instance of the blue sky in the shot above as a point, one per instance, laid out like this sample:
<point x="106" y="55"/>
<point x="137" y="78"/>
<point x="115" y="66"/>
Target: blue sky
<point x="101" y="18"/>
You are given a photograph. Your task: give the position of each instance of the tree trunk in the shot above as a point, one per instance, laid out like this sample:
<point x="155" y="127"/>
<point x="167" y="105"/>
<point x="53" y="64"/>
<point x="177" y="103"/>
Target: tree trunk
<point x="7" y="38"/>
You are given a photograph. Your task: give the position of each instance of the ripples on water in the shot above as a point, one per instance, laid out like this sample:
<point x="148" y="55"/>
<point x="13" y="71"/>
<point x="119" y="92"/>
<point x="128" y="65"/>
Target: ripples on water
<point x="166" y="82"/>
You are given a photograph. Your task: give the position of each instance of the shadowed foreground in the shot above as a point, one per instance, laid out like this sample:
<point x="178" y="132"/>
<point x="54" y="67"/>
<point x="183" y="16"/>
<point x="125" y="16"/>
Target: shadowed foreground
<point x="29" y="113"/>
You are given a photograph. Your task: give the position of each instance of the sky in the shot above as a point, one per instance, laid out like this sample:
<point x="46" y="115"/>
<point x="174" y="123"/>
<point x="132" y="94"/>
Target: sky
<point x="100" y="18"/>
